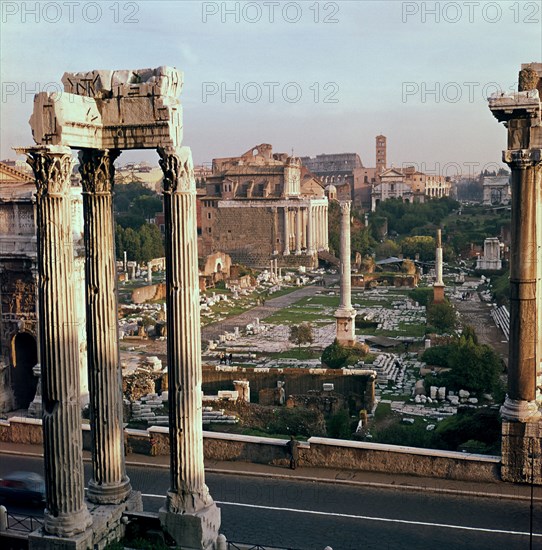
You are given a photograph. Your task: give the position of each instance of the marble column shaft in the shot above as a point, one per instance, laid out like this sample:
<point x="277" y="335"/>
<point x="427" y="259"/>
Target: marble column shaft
<point x="523" y="350"/>
<point x="438" y="259"/>
<point x="286" y="231"/>
<point x="298" y="230"/>
<point x="188" y="492"/>
<point x="109" y="483"/>
<point x="66" y="513"/>
<point x="346" y="283"/>
<point x="310" y="239"/>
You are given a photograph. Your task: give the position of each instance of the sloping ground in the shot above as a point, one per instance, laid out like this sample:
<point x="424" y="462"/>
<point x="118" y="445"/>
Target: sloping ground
<point x="478" y="314"/>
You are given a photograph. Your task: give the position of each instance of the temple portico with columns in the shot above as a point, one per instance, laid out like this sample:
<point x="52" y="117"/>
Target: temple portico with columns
<point x="264" y="206"/>
<point x="101" y="113"/>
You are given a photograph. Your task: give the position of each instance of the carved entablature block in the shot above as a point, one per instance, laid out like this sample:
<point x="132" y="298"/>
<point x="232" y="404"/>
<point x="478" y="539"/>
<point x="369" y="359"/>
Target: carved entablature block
<point x="506" y="106"/>
<point x="132" y="109"/>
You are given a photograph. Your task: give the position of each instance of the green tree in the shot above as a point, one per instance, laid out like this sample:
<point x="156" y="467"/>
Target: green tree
<point x="335" y="356"/>
<point x="301" y="334"/>
<point x="442" y="317"/>
<point x="386" y="249"/>
<point x="422" y="245"/>
<point x="474" y="367"/>
<point x="339" y="425"/>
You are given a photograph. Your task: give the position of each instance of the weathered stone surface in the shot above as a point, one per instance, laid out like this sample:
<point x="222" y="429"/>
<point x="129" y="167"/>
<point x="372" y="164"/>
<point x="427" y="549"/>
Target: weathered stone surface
<point x="346" y="314"/>
<point x="66" y="513"/>
<point x="134" y="109"/>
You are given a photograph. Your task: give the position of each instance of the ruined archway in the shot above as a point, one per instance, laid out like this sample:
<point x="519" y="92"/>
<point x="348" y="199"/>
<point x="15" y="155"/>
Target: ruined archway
<point x="24" y="355"/>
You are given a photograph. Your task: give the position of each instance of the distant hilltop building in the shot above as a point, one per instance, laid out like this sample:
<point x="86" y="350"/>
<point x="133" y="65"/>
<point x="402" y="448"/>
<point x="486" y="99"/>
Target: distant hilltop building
<point x="346" y="172"/>
<point x="409" y="185"/>
<point x="496" y="190"/>
<point x="262" y="206"/>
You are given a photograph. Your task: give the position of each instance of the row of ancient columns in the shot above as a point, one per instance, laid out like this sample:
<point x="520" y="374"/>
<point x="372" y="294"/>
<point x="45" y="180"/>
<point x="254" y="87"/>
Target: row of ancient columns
<point x="305" y="228"/>
<point x="66" y="512"/>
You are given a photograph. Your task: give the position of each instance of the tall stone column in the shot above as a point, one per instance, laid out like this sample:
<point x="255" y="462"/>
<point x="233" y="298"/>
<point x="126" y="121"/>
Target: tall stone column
<point x="66" y="513"/>
<point x="109" y="483"/>
<point x="326" y="225"/>
<point x="286" y="232"/>
<point x="438" y="286"/>
<point x="275" y="234"/>
<point x="317" y="227"/>
<point x="310" y="225"/>
<point x="346" y="314"/>
<point x="523" y="362"/>
<point x="190" y="514"/>
<point x="298" y="230"/>
<point x="521" y="447"/>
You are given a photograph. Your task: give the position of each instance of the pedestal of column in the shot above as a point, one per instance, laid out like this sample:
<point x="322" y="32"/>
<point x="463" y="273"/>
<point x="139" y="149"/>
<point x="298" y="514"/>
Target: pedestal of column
<point x="66" y="513"/>
<point x="438" y="293"/>
<point x="109" y="483"/>
<point x="523" y="364"/>
<point x="345" y="316"/>
<point x="190" y="515"/>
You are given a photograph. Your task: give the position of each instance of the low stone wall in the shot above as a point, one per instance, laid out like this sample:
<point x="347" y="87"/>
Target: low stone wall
<point x="317" y="452"/>
<point x="149" y="293"/>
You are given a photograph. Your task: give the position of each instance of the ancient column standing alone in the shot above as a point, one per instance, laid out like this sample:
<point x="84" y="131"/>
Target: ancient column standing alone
<point x="109" y="483"/>
<point x="190" y="515"/>
<point x="346" y="314"/>
<point x="66" y="513"/>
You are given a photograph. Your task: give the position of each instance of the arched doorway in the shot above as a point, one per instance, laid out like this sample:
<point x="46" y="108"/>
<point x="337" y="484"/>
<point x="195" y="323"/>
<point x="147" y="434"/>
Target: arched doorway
<point x="24" y="357"/>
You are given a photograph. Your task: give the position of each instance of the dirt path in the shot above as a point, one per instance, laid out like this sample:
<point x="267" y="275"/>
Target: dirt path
<point x="213" y="331"/>
<point x="477" y="314"/>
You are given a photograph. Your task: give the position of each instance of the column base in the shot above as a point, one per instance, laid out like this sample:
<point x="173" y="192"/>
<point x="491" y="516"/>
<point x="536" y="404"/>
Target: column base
<point x="346" y="327"/>
<point x="438" y="293"/>
<point x="197" y="531"/>
<point x="521" y="451"/>
<point x="519" y="410"/>
<point x="109" y="493"/>
<point x="67" y="525"/>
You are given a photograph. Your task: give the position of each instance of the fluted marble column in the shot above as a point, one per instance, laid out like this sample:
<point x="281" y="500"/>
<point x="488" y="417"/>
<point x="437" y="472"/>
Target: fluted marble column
<point x="286" y="231"/>
<point x="523" y="363"/>
<point x="346" y="314"/>
<point x="66" y="513"/>
<point x="310" y="239"/>
<point x="109" y="483"/>
<point x="190" y="514"/>
<point x="275" y="233"/>
<point x="298" y="230"/>
<point x="326" y="227"/>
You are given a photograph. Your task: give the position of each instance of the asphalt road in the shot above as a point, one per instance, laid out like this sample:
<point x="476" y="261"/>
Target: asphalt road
<point x="308" y="515"/>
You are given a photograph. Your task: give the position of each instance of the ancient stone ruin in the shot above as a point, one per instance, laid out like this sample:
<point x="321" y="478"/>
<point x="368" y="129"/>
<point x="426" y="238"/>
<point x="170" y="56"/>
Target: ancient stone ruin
<point x="521" y="113"/>
<point x="100" y="113"/>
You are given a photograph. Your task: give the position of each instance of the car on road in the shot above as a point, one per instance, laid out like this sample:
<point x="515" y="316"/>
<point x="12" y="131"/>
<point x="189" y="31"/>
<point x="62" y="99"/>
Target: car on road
<point x="22" y="488"/>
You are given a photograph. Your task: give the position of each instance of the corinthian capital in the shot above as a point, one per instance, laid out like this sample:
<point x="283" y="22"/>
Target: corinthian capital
<point x="97" y="169"/>
<point x="345" y="207"/>
<point x="521" y="159"/>
<point x="52" y="167"/>
<point x="178" y="170"/>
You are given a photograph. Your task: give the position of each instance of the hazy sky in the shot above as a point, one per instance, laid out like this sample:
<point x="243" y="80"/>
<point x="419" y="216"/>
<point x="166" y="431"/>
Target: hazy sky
<point x="315" y="77"/>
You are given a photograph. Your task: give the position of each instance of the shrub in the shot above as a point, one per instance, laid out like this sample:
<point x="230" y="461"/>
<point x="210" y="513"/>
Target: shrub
<point x="335" y="356"/>
<point x="339" y="425"/>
